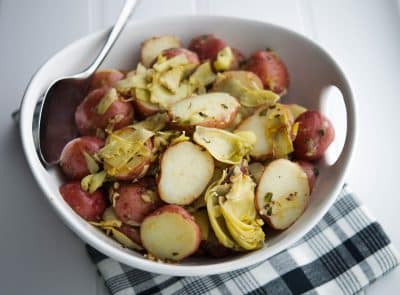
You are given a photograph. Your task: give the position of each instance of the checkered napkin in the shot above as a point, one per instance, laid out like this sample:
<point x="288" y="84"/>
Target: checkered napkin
<point x="345" y="252"/>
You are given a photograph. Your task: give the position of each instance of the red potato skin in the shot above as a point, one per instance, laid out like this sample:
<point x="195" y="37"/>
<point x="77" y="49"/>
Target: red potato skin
<point x="270" y="69"/>
<point x="206" y="46"/>
<point x="105" y="78"/>
<point x="72" y="159"/>
<point x="144" y="110"/>
<point x="140" y="170"/>
<point x="190" y="55"/>
<point x="314" y="136"/>
<point x="89" y="206"/>
<point x="238" y="59"/>
<point x="130" y="207"/>
<point x="311" y="171"/>
<point x="88" y="121"/>
<point x="131" y="232"/>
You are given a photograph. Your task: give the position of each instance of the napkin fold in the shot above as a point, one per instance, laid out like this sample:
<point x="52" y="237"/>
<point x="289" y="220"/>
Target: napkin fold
<point x="344" y="253"/>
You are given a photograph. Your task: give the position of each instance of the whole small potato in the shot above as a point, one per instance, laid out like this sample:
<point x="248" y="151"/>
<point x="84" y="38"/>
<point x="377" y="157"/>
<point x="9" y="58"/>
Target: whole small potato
<point x="72" y="160"/>
<point x="88" y="120"/>
<point x="105" y="78"/>
<point x="136" y="201"/>
<point x="314" y="136"/>
<point x="190" y="55"/>
<point x="89" y="206"/>
<point x="311" y="172"/>
<point x="206" y="46"/>
<point x="270" y="68"/>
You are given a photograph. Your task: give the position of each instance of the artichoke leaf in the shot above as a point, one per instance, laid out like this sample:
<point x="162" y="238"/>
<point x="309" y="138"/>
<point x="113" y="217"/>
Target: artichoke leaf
<point x="225" y="146"/>
<point x="153" y="123"/>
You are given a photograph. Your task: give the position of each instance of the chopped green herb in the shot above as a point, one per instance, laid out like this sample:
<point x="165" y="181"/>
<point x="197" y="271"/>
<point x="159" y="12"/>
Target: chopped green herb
<point x="190" y="105"/>
<point x="203" y="115"/>
<point x="263" y="113"/>
<point x="224" y="106"/>
<point x="316" y="171"/>
<point x="277" y="115"/>
<point x="321" y="132"/>
<point x="268" y="49"/>
<point x="269" y="212"/>
<point x="268" y="197"/>
<point x="206" y="140"/>
<point x="175" y="253"/>
<point x="271" y="107"/>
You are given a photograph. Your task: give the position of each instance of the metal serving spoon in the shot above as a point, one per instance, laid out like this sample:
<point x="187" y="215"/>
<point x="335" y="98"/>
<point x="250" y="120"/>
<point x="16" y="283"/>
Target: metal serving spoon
<point x="56" y="116"/>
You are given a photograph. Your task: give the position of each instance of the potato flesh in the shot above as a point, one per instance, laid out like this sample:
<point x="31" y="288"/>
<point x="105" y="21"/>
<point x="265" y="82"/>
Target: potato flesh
<point x="203" y="108"/>
<point x="169" y="235"/>
<point x="256" y="123"/>
<point x="286" y="185"/>
<point x="185" y="172"/>
<point x="153" y="47"/>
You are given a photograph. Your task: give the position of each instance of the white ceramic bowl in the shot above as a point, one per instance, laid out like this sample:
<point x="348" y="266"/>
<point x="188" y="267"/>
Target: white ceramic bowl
<point x="311" y="71"/>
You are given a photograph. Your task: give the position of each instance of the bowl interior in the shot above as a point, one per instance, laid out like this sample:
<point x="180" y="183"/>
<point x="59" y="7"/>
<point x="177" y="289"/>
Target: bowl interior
<point x="311" y="70"/>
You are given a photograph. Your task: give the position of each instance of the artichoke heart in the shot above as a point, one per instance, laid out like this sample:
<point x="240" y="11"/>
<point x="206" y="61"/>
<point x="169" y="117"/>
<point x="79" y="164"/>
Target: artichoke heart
<point x="124" y="149"/>
<point x="214" y="191"/>
<point x="107" y="100"/>
<point x="248" y="97"/>
<point x="240" y="214"/>
<point x="202" y="77"/>
<point x="225" y="146"/>
<point x="134" y="80"/>
<point x="224" y="59"/>
<point x="163" y="64"/>
<point x="232" y="214"/>
<point x="278" y="131"/>
<point x="92" y="182"/>
<point x="172" y="78"/>
<point x="153" y="123"/>
<point x="164" y="97"/>
<point x="109" y="219"/>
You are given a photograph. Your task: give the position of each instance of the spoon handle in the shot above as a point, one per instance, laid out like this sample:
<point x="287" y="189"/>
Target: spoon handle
<point x="126" y="11"/>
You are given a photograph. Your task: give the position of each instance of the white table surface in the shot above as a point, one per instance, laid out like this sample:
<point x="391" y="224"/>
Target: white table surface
<point x="39" y="255"/>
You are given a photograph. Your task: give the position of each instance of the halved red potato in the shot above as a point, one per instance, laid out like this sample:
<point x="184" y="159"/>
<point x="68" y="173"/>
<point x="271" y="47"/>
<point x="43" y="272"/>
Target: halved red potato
<point x="145" y="108"/>
<point x="270" y="68"/>
<point x="105" y="78"/>
<point x="256" y="123"/>
<point x="152" y="47"/>
<point x="282" y="194"/>
<point x="89" y="118"/>
<point x="76" y="159"/>
<point x="89" y="206"/>
<point x="215" y="109"/>
<point x="315" y="134"/>
<point x="170" y="233"/>
<point x="206" y="46"/>
<point x="136" y="200"/>
<point x="190" y="55"/>
<point x="311" y="172"/>
<point x="185" y="171"/>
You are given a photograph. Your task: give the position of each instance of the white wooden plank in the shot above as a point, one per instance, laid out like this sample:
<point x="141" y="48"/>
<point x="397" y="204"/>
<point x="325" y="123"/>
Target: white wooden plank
<point x="364" y="36"/>
<point x="38" y="253"/>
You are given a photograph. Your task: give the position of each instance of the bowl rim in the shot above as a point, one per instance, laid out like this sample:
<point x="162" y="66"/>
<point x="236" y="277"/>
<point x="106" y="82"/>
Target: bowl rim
<point x="177" y="269"/>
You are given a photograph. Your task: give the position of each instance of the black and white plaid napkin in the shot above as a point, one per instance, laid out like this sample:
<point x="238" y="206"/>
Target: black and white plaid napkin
<point x="343" y="254"/>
